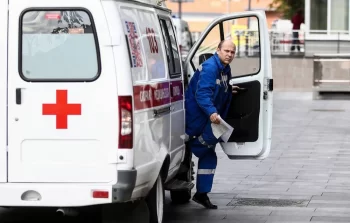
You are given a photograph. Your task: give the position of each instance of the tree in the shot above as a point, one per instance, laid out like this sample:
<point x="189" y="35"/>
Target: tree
<point x="287" y="7"/>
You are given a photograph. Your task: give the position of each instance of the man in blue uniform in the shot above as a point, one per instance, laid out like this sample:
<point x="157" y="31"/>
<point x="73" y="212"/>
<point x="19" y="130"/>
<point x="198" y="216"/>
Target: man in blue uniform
<point x="208" y="98"/>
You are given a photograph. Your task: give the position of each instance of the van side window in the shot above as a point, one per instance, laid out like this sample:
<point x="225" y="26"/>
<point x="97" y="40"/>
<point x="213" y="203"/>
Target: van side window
<point x="173" y="55"/>
<point x="133" y="35"/>
<point x="151" y="40"/>
<point x="166" y="44"/>
<point x="58" y="45"/>
<point x="174" y="47"/>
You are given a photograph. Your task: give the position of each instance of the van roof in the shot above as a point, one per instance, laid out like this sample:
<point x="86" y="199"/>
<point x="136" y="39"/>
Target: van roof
<point x="153" y="2"/>
<point x="156" y="3"/>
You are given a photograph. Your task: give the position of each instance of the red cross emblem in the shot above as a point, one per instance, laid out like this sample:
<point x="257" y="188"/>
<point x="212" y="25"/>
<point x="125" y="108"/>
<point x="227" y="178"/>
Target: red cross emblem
<point x="61" y="109"/>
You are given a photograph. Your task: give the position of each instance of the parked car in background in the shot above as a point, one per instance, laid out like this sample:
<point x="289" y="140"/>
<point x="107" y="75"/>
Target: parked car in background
<point x="183" y="35"/>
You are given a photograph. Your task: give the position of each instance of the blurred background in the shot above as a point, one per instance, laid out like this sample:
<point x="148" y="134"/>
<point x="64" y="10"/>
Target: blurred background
<point x="309" y="39"/>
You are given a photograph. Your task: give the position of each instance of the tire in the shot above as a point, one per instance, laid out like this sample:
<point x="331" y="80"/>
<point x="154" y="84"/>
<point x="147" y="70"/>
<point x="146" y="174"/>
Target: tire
<point x="155" y="202"/>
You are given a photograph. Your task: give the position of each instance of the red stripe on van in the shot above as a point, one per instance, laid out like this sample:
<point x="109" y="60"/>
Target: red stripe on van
<point x="176" y="91"/>
<point x="151" y="95"/>
<point x="158" y="94"/>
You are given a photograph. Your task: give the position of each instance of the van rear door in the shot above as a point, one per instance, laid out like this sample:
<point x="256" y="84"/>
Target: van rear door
<point x="63" y="119"/>
<point x="3" y="87"/>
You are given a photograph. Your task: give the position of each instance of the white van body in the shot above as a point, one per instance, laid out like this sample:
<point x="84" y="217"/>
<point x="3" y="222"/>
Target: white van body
<point x="92" y="104"/>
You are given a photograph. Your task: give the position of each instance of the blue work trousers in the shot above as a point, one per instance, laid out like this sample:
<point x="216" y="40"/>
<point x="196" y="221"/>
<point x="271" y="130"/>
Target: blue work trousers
<point x="207" y="161"/>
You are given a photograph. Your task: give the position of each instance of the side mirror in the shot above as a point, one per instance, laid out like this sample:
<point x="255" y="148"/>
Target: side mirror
<point x="203" y="57"/>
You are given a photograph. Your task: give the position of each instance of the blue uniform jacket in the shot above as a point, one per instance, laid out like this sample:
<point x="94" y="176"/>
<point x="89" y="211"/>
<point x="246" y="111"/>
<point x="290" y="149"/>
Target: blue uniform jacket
<point x="208" y="92"/>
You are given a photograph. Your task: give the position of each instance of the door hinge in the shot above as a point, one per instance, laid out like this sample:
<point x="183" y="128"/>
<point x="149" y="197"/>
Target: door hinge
<point x="265" y="95"/>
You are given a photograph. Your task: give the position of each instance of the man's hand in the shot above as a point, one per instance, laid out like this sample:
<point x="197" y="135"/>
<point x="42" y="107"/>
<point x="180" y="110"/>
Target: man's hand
<point x="234" y="89"/>
<point x="214" y="118"/>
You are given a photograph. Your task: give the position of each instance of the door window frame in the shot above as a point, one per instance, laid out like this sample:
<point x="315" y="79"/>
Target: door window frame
<point x="165" y="33"/>
<point x="222" y="37"/>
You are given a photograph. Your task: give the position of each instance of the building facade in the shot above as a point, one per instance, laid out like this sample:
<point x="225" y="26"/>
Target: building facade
<point x="327" y="26"/>
<point x="199" y="13"/>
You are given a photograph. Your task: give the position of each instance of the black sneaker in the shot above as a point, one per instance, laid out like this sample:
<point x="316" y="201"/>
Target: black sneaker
<point x="203" y="199"/>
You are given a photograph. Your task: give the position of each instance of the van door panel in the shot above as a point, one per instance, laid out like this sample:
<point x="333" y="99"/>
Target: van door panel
<point x="176" y="88"/>
<point x="150" y="84"/>
<point x="244" y="113"/>
<point x="152" y="121"/>
<point x="3" y="90"/>
<point x="177" y="123"/>
<point x="63" y="130"/>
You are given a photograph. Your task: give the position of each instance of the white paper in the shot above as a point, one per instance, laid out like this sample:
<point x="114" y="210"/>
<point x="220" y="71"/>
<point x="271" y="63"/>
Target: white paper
<point x="222" y="130"/>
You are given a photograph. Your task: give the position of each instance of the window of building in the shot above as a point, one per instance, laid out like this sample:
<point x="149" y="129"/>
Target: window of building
<point x="339" y="15"/>
<point x="329" y="16"/>
<point x="318" y="16"/>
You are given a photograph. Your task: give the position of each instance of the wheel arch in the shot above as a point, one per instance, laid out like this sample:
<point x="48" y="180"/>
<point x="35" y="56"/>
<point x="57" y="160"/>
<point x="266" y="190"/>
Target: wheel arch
<point x="164" y="170"/>
<point x="161" y="168"/>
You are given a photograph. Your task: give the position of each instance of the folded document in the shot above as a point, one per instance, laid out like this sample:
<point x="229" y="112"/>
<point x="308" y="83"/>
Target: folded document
<point x="222" y="130"/>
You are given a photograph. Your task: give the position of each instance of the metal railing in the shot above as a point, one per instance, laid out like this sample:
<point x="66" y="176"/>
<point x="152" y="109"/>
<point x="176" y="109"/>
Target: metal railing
<point x="248" y="44"/>
<point x="282" y="41"/>
<point x="287" y="42"/>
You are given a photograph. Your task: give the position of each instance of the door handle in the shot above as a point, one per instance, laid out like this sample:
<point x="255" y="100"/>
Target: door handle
<point x="18" y="96"/>
<point x="161" y="111"/>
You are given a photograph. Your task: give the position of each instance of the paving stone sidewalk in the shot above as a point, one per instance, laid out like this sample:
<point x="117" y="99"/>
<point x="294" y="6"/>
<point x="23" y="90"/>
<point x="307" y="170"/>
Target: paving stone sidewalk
<point x="305" y="179"/>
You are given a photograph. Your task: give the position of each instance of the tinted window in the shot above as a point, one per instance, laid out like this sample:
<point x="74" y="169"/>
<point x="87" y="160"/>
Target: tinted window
<point x="172" y="52"/>
<point x="174" y="49"/>
<point x="58" y="45"/>
<point x="167" y="46"/>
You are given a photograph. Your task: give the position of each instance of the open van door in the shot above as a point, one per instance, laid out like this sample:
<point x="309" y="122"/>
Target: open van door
<point x="3" y="89"/>
<point x="250" y="112"/>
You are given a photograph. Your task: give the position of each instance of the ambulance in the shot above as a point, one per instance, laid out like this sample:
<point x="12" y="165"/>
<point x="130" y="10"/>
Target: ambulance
<point x="92" y="105"/>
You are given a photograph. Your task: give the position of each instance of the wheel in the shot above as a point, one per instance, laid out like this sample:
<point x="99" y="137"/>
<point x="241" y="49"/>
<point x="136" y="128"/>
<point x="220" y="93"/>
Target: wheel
<point x="155" y="202"/>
